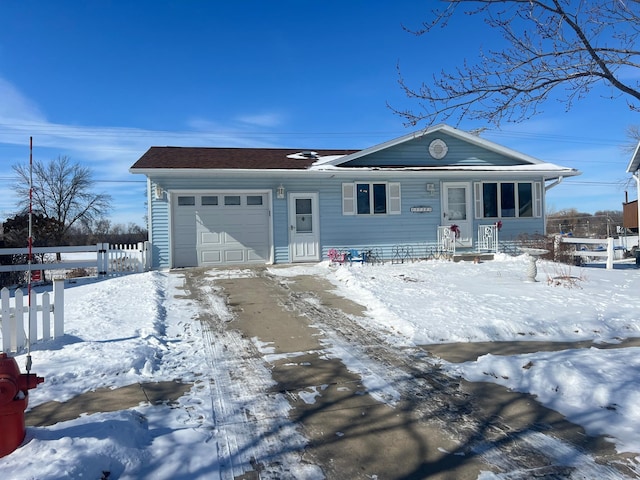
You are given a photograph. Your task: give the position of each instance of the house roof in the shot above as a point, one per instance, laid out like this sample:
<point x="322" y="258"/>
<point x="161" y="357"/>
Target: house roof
<point x="165" y="160"/>
<point x="232" y="158"/>
<point x="634" y="164"/>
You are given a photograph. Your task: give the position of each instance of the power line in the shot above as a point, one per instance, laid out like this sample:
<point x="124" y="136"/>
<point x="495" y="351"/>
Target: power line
<point x="120" y="181"/>
<point x="138" y="132"/>
<point x="587" y="182"/>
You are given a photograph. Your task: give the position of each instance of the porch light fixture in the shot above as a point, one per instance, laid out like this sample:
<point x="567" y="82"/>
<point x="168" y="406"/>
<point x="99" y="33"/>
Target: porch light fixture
<point x="280" y="191"/>
<point x="158" y="192"/>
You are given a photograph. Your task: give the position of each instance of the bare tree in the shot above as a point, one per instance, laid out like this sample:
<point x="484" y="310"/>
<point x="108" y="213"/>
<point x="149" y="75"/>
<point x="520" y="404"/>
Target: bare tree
<point x="62" y="190"/>
<point x="558" y="49"/>
<point x="633" y="133"/>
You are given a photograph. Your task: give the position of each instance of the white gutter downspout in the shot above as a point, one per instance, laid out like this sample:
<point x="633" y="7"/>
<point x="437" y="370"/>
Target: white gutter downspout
<point x="546" y="189"/>
<point x="556" y="183"/>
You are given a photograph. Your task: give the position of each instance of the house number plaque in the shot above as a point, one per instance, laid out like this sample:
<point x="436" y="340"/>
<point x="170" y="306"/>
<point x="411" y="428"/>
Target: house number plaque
<point x="421" y="209"/>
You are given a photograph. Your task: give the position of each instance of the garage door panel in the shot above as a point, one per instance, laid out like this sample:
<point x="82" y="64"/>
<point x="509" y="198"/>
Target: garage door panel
<point x="209" y="234"/>
<point x="210" y="238"/>
<point x="234" y="256"/>
<point x="211" y="256"/>
<point x="255" y="256"/>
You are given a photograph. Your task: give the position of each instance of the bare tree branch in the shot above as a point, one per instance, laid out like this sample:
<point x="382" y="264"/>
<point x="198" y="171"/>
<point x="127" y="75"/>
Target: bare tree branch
<point x="557" y="50"/>
<point x="62" y="190"/>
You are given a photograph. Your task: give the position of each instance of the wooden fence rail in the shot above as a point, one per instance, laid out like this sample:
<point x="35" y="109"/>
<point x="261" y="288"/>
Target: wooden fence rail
<point x="24" y="321"/>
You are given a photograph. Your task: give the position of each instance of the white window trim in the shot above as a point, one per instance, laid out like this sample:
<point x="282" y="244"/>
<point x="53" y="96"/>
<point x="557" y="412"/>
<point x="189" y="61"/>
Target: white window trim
<point x="392" y="190"/>
<point x="536" y="200"/>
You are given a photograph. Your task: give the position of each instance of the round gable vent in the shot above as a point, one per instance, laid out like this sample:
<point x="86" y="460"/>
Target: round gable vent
<point x="438" y="149"/>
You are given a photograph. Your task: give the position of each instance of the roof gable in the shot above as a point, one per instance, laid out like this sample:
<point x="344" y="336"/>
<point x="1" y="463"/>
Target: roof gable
<point x="414" y="150"/>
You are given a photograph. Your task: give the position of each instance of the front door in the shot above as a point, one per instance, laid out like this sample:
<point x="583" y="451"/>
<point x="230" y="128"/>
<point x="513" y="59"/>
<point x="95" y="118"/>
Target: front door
<point x="456" y="210"/>
<point x="304" y="227"/>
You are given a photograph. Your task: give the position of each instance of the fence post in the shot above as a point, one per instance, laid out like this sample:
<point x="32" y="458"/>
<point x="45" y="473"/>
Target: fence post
<point x="103" y="259"/>
<point x="609" y="253"/>
<point x="140" y="258"/>
<point x="58" y="308"/>
<point x="146" y="255"/>
<point x="5" y="298"/>
<point x="46" y="317"/>
<point x="33" y="318"/>
<point x="17" y="325"/>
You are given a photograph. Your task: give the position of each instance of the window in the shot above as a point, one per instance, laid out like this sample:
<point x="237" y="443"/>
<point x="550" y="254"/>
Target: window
<point x="490" y="199"/>
<point x="186" y="201"/>
<point x="457" y="201"/>
<point x="525" y="200"/>
<point x="363" y="198"/>
<point x="209" y="200"/>
<point x="304" y="215"/>
<point x="370" y="198"/>
<point x="379" y="198"/>
<point x="254" y="199"/>
<point x="232" y="199"/>
<point x="508" y="199"/>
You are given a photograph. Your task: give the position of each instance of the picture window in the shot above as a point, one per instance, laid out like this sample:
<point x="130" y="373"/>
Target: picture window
<point x="509" y="200"/>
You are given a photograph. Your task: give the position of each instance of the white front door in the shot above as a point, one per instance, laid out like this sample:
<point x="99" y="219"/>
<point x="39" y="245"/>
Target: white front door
<point x="456" y="210"/>
<point x="304" y="227"/>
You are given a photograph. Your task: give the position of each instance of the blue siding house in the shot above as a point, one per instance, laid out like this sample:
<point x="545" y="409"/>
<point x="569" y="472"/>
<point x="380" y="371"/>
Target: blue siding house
<point x="229" y="206"/>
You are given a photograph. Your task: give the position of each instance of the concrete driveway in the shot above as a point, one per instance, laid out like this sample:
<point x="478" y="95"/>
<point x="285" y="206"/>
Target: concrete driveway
<point x="434" y="427"/>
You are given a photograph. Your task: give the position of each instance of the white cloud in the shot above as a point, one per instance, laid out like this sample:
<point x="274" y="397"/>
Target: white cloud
<point x="15" y="107"/>
<point x="262" y="119"/>
<point x="108" y="151"/>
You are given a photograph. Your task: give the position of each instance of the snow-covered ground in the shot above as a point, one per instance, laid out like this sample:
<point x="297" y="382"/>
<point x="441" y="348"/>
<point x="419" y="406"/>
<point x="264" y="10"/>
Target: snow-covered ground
<point x="140" y="328"/>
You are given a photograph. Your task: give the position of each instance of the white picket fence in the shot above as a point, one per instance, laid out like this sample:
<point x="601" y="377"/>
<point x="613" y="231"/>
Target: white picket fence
<point x="606" y="248"/>
<point x="108" y="260"/>
<point x="21" y="320"/>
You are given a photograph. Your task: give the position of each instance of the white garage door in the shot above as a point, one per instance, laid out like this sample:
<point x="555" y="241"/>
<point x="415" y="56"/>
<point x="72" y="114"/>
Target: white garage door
<point x="220" y="229"/>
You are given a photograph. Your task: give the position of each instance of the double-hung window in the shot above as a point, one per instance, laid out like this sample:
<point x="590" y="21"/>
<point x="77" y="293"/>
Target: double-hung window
<point x="508" y="199"/>
<point x="370" y="198"/>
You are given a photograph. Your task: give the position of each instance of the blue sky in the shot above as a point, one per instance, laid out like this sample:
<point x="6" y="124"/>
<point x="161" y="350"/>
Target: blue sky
<point x="101" y="82"/>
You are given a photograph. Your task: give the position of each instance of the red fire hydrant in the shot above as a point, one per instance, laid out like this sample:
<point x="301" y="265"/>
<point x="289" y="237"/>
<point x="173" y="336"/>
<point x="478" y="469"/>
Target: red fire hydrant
<point x="14" y="396"/>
